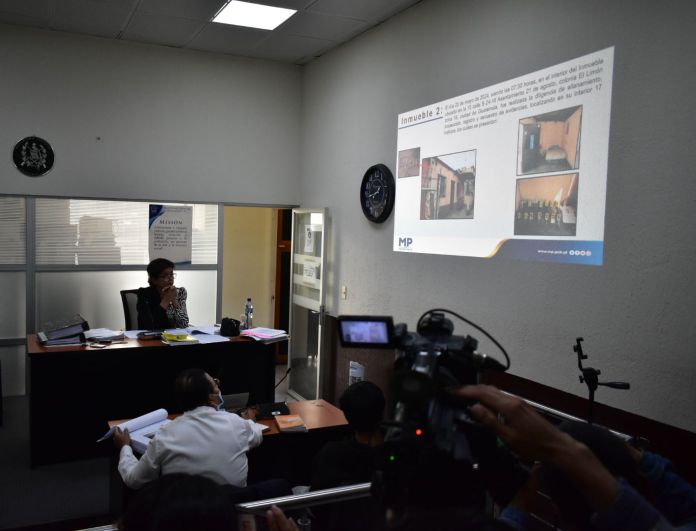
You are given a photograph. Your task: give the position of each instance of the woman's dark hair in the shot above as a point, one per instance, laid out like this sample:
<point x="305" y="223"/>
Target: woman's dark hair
<point x="179" y="502"/>
<point x="191" y="389"/>
<point x="155" y="268"/>
<point x="363" y="405"/>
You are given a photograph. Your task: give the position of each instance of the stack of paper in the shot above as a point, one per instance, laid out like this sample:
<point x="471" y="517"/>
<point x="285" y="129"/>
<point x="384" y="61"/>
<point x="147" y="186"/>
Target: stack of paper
<point x="104" y="334"/>
<point x="141" y="429"/>
<point x="178" y="336"/>
<point x="265" y="334"/>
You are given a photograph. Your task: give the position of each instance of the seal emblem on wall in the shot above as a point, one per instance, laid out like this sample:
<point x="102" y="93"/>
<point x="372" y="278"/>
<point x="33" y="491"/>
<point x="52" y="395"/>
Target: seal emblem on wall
<point x="33" y="156"/>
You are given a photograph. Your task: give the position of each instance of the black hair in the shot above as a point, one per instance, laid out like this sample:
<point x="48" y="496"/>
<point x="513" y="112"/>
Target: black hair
<point x="363" y="405"/>
<point x="179" y="502"/>
<point x="155" y="268"/>
<point x="191" y="389"/>
<point x="609" y="449"/>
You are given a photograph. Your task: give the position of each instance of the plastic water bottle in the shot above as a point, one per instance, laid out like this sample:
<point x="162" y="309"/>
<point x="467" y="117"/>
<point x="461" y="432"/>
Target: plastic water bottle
<point x="248" y="313"/>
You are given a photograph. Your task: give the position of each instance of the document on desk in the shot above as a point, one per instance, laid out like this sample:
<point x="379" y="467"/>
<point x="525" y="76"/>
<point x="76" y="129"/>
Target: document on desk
<point x="206" y="338"/>
<point x="212" y="329"/>
<point x="142" y="425"/>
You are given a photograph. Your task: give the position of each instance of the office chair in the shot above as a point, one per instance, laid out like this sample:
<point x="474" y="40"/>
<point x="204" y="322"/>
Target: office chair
<point x="129" y="298"/>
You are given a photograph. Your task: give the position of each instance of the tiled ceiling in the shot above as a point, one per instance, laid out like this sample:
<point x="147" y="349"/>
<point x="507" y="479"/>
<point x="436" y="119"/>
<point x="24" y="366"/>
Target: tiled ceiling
<point x="317" y="27"/>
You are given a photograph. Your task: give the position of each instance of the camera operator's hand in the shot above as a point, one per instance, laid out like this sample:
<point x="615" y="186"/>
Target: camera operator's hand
<point x="531" y="437"/>
<point x="514" y="421"/>
<point x="277" y="521"/>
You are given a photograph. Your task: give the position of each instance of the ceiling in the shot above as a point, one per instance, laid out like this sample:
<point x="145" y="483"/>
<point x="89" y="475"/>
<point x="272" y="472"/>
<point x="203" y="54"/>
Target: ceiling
<point x="317" y="27"/>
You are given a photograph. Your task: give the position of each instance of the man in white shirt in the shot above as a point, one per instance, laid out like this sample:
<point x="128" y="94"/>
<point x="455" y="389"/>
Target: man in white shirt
<point x="204" y="441"/>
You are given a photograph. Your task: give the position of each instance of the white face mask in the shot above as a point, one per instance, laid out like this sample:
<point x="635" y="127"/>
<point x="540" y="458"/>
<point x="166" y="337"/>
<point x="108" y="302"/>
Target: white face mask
<point x="222" y="401"/>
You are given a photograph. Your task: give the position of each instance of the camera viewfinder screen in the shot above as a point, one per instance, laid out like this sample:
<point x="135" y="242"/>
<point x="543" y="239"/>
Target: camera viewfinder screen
<point x="365" y="333"/>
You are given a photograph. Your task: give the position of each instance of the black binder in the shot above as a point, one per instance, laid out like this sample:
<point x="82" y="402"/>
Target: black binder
<point x="64" y="332"/>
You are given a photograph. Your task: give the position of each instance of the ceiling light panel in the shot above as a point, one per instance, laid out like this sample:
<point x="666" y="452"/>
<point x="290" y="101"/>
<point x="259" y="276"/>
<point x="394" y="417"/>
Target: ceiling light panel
<point x="253" y="15"/>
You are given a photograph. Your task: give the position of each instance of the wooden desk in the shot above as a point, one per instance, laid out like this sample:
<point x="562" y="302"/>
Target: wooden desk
<point x="316" y="414"/>
<point x="73" y="389"/>
<point x="290" y="455"/>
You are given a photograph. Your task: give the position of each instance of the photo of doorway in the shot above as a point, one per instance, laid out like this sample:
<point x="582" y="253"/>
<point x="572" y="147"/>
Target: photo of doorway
<point x="549" y="142"/>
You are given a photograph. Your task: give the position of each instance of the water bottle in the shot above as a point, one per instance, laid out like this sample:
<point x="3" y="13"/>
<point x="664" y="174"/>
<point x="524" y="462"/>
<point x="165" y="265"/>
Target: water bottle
<point x="248" y="313"/>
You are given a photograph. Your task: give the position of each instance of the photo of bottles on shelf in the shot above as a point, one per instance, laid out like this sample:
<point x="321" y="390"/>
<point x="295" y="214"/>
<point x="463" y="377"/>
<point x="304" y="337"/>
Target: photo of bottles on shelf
<point x="547" y="206"/>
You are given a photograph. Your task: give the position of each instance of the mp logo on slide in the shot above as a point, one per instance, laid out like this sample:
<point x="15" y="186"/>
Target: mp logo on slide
<point x="405" y="243"/>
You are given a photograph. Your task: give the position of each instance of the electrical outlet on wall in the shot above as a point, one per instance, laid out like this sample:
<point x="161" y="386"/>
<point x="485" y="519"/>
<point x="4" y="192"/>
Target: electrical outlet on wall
<point x="344" y="292"/>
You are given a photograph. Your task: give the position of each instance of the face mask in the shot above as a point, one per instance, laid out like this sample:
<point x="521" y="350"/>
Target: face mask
<point x="222" y="401"/>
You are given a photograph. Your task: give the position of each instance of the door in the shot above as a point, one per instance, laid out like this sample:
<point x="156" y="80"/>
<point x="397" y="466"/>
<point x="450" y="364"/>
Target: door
<point x="530" y="153"/>
<point x="282" y="282"/>
<point x="306" y="302"/>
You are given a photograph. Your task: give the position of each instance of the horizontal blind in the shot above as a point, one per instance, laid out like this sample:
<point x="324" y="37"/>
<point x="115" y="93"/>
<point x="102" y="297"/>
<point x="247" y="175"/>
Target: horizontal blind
<point x="13" y="230"/>
<point x="90" y="232"/>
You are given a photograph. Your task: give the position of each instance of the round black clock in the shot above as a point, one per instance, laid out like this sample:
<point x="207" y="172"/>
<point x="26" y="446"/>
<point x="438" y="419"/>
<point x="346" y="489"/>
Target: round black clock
<point x="377" y="193"/>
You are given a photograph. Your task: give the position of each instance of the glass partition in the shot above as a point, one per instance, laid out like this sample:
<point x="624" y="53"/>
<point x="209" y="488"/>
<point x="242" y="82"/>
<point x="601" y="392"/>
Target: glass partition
<point x="95" y="295"/>
<point x="12" y="305"/>
<point x="88" y="232"/>
<point x="13" y="360"/>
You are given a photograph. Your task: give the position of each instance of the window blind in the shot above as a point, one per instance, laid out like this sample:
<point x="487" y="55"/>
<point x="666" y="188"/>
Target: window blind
<point x="13" y="229"/>
<point x="92" y="232"/>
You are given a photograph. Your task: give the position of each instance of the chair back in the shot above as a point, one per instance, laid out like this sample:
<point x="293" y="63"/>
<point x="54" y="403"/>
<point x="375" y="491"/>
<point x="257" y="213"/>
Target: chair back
<point x="129" y="298"/>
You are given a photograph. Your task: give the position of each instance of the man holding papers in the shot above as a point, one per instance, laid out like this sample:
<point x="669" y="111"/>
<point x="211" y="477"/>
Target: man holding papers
<point x="205" y="440"/>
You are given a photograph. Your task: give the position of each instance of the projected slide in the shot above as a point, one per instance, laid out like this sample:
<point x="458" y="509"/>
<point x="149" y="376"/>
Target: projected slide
<point x="518" y="169"/>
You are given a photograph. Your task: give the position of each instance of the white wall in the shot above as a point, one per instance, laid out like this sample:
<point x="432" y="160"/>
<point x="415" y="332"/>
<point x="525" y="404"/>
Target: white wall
<point x="636" y="311"/>
<point x="148" y="122"/>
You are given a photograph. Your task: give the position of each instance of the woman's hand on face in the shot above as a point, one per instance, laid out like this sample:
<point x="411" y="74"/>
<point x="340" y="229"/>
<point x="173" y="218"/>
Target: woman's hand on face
<point x="169" y="294"/>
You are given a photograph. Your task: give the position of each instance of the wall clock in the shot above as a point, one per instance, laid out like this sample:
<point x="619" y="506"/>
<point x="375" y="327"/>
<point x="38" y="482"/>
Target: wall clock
<point x="377" y="192"/>
<point x="33" y="156"/>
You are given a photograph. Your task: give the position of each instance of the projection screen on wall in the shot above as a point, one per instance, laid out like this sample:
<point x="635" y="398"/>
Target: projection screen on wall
<point x="518" y="169"/>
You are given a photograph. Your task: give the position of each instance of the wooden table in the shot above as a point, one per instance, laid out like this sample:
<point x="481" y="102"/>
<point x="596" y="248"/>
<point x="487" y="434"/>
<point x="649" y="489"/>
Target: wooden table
<point x="73" y="389"/>
<point x="316" y="414"/>
<point x="290" y="455"/>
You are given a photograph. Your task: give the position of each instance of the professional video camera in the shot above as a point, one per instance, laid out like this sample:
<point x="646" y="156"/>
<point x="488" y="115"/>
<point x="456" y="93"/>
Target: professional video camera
<point x="434" y="452"/>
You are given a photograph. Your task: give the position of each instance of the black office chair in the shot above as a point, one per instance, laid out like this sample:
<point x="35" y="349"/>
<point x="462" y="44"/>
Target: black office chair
<point x="129" y="298"/>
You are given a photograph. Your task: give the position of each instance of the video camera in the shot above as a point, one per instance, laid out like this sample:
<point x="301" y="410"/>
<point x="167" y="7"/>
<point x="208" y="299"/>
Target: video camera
<point x="434" y="452"/>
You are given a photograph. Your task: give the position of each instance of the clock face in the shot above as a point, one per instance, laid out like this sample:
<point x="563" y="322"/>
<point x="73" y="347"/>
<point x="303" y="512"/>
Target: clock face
<point x="377" y="193"/>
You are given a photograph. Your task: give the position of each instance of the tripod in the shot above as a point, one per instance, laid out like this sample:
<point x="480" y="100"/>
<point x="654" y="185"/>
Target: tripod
<point x="590" y="377"/>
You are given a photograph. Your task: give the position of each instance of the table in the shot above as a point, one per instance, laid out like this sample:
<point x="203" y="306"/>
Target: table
<point x="290" y="455"/>
<point x="72" y="390"/>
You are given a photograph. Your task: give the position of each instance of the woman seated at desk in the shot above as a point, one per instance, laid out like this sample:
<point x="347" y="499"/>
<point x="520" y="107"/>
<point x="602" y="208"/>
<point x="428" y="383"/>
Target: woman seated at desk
<point x="162" y="305"/>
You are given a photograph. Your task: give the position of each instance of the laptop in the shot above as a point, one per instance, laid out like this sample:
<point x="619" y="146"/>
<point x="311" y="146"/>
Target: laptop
<point x="236" y="401"/>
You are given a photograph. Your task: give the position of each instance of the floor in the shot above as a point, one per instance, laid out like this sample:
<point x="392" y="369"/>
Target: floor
<point x="54" y="493"/>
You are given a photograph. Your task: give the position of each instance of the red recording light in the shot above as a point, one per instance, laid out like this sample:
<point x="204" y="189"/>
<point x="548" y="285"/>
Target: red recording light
<point x="419" y="432"/>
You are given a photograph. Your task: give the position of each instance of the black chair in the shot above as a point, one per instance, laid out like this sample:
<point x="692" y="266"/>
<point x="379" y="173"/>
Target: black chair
<point x="129" y="298"/>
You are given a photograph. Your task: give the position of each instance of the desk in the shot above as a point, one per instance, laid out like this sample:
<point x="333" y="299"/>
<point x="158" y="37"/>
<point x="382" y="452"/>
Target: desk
<point x="73" y="389"/>
<point x="290" y="455"/>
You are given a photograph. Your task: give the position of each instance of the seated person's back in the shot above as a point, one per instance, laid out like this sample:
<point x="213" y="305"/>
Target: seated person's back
<point x="203" y="441"/>
<point x="353" y="460"/>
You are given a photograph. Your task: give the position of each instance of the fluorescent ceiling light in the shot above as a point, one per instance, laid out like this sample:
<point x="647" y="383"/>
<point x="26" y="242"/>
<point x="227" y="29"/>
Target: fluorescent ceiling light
<point x="253" y="15"/>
